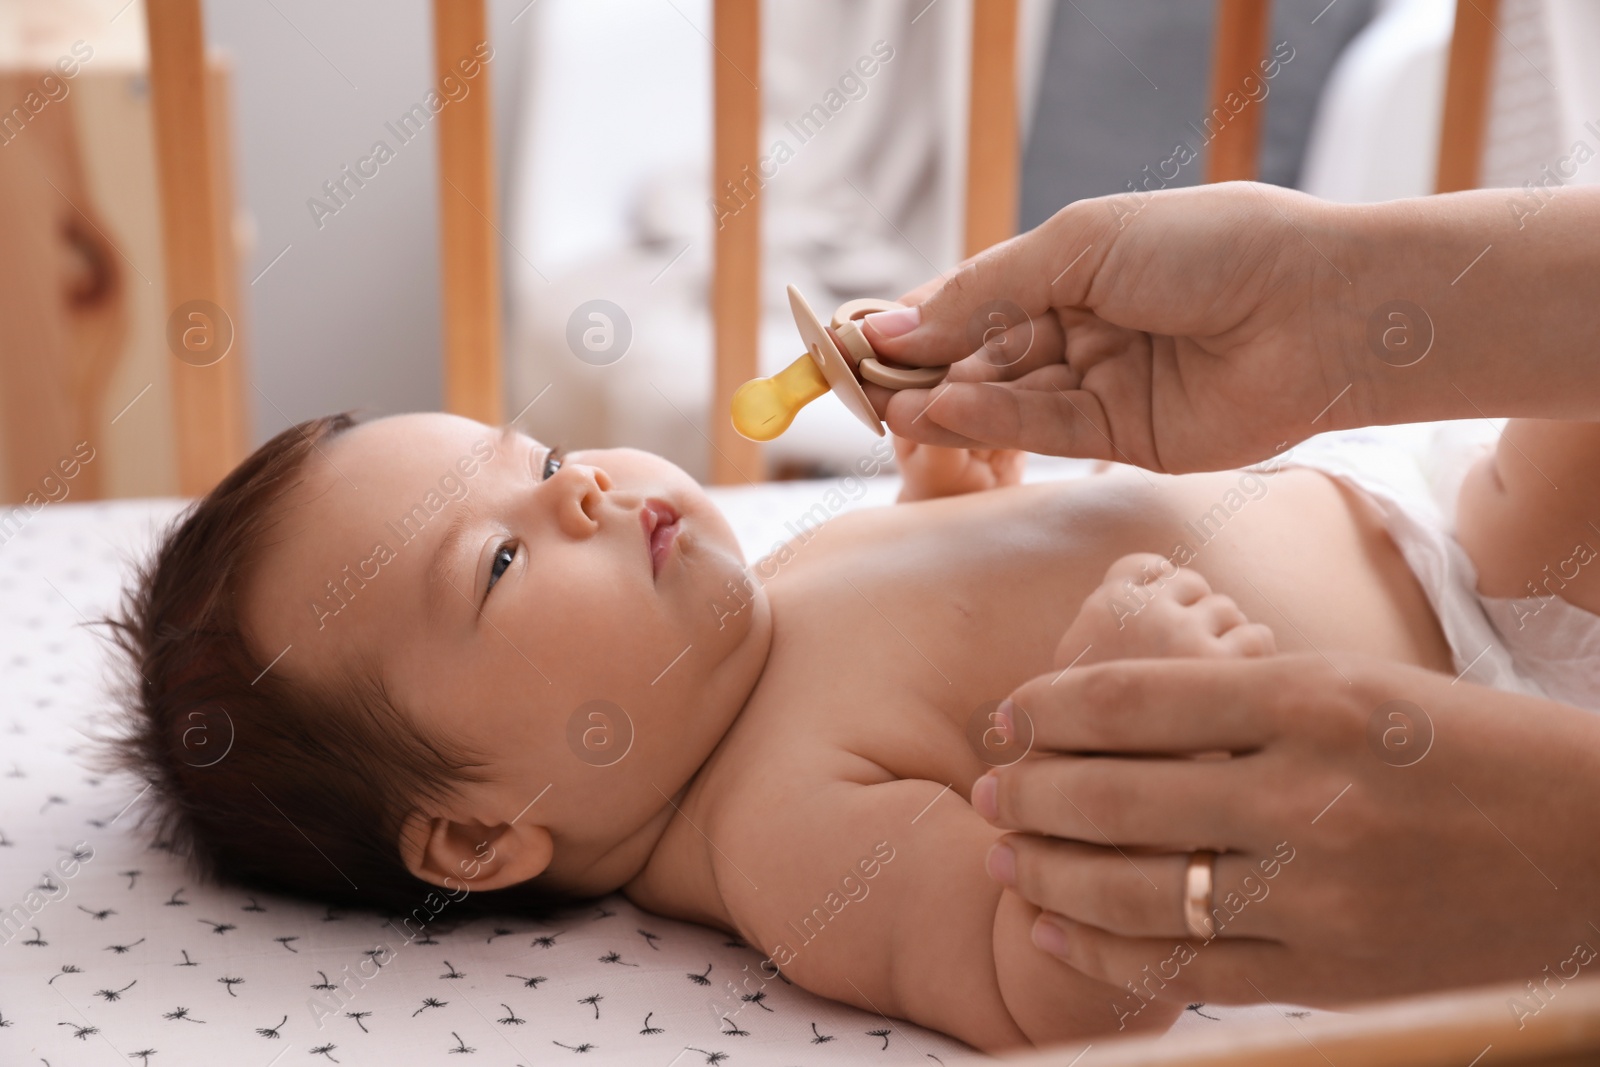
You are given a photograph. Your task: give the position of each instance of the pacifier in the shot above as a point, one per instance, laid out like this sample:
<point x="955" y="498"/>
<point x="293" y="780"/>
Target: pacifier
<point x="763" y="408"/>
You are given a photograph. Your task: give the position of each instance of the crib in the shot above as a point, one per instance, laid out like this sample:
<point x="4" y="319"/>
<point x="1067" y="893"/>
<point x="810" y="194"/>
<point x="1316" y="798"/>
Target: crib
<point x="211" y="435"/>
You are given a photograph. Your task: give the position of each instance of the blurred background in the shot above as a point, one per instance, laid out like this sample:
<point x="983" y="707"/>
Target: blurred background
<point x="602" y="122"/>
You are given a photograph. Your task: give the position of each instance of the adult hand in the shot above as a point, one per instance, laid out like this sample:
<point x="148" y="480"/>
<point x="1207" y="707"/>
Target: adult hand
<point x="1203" y="328"/>
<point x="1367" y="848"/>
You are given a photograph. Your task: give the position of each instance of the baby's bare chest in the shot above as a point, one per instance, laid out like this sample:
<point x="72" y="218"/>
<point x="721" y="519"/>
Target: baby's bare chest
<point x="896" y="637"/>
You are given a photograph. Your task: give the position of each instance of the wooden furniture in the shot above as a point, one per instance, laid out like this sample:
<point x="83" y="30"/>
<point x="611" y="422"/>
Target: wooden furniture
<point x="88" y="382"/>
<point x="58" y="347"/>
<point x="1466" y="96"/>
<point x="736" y="256"/>
<point x="1240" y="41"/>
<point x="202" y="287"/>
<point x="1470" y="1028"/>
<point x="469" y="240"/>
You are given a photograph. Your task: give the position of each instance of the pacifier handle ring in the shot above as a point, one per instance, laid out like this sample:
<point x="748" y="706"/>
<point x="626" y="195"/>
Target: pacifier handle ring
<point x="868" y="366"/>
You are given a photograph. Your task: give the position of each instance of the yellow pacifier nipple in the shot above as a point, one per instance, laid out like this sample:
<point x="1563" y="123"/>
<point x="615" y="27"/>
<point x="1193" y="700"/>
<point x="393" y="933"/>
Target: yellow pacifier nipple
<point x="764" y="407"/>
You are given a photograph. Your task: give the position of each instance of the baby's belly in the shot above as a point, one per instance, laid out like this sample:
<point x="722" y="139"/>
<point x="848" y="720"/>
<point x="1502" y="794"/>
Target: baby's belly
<point x="1312" y="560"/>
<point x="897" y="631"/>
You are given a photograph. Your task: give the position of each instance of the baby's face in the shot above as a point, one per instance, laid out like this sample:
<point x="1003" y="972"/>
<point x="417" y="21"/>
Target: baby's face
<point x="496" y="600"/>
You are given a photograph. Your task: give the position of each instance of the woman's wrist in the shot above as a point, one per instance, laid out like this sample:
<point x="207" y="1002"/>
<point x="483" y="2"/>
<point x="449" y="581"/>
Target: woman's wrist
<point x="1471" y="305"/>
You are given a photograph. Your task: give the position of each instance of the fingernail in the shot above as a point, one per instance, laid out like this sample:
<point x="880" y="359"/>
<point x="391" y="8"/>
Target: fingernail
<point x="1048" y="935"/>
<point x="1002" y="864"/>
<point x="984" y="797"/>
<point x="1002" y="718"/>
<point x="894" y="323"/>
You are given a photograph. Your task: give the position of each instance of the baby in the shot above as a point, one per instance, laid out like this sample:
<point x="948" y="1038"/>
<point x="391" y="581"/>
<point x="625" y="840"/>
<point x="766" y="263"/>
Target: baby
<point x="454" y="660"/>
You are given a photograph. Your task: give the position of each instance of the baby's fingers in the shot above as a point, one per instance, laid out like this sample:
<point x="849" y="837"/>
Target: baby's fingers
<point x="1007" y="465"/>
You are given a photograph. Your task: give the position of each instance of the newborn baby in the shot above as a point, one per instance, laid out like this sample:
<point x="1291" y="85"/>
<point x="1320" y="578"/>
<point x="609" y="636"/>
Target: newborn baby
<point x="453" y="658"/>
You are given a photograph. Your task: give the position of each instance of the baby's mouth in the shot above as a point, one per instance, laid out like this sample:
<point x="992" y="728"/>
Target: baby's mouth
<point x="660" y="521"/>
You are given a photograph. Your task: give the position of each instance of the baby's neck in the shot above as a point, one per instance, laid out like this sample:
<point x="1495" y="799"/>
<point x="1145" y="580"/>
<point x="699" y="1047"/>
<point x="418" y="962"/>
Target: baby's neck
<point x="677" y="878"/>
<point x="675" y="859"/>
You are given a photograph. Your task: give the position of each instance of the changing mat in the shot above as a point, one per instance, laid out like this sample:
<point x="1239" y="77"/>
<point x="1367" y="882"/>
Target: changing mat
<point x="110" y="952"/>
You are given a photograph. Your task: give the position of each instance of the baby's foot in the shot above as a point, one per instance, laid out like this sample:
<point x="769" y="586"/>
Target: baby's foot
<point x="1148" y="606"/>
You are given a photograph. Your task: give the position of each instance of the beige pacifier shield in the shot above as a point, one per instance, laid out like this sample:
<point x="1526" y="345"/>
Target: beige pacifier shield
<point x="841" y="379"/>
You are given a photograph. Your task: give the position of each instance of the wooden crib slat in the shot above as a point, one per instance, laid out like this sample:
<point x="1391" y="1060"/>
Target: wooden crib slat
<point x="736" y="263"/>
<point x="1239" y="44"/>
<point x="1466" y="96"/>
<point x="211" y="424"/>
<point x="468" y="239"/>
<point x="993" y="131"/>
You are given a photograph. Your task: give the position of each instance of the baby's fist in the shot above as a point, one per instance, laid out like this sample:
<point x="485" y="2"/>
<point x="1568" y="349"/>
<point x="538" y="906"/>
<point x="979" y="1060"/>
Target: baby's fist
<point x="931" y="471"/>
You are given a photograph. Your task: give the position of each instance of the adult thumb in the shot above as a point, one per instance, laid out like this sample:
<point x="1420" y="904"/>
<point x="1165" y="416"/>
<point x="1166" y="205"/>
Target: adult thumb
<point x="1001" y="287"/>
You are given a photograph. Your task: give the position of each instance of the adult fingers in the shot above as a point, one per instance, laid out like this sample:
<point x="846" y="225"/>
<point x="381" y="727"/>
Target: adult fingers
<point x="909" y="421"/>
<point x="1220" y="971"/>
<point x="1128" y="892"/>
<point x="1176" y="804"/>
<point x="1003" y="355"/>
<point x="1174" y="706"/>
<point x="1049" y="266"/>
<point x="1009" y="415"/>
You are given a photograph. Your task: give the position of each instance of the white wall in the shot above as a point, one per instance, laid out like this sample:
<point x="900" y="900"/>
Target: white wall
<point x="349" y="317"/>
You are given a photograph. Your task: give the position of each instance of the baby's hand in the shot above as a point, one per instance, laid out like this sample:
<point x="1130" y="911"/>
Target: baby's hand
<point x="931" y="471"/>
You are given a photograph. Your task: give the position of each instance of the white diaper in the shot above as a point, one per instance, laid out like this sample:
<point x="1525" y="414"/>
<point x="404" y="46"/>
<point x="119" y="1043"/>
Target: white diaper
<point x="1554" y="642"/>
<point x="1532" y="645"/>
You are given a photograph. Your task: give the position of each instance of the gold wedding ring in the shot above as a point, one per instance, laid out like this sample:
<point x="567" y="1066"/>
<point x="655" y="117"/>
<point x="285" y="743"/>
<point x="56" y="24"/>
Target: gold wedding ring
<point x="1198" y="881"/>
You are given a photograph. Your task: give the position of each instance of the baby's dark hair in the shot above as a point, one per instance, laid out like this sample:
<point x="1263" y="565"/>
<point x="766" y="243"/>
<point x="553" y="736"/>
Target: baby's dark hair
<point x="256" y="778"/>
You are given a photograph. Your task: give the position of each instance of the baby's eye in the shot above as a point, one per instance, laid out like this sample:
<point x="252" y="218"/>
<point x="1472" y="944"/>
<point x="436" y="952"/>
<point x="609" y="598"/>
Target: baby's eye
<point x="552" y="462"/>
<point x="502" y="560"/>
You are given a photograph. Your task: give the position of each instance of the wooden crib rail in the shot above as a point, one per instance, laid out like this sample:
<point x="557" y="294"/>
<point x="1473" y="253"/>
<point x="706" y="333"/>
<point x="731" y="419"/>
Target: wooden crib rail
<point x="208" y="402"/>
<point x="1466" y="96"/>
<point x="1492" y="1026"/>
<point x="469" y="248"/>
<point x="736" y="248"/>
<point x="1238" y="43"/>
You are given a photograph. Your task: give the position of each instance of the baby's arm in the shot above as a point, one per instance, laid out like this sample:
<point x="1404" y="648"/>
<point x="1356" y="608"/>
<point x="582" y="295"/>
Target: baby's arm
<point x="1529" y="513"/>
<point x="930" y="937"/>
<point x="932" y="471"/>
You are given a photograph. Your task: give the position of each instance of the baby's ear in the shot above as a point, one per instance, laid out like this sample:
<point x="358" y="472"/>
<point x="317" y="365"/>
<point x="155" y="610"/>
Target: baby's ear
<point x="446" y="853"/>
